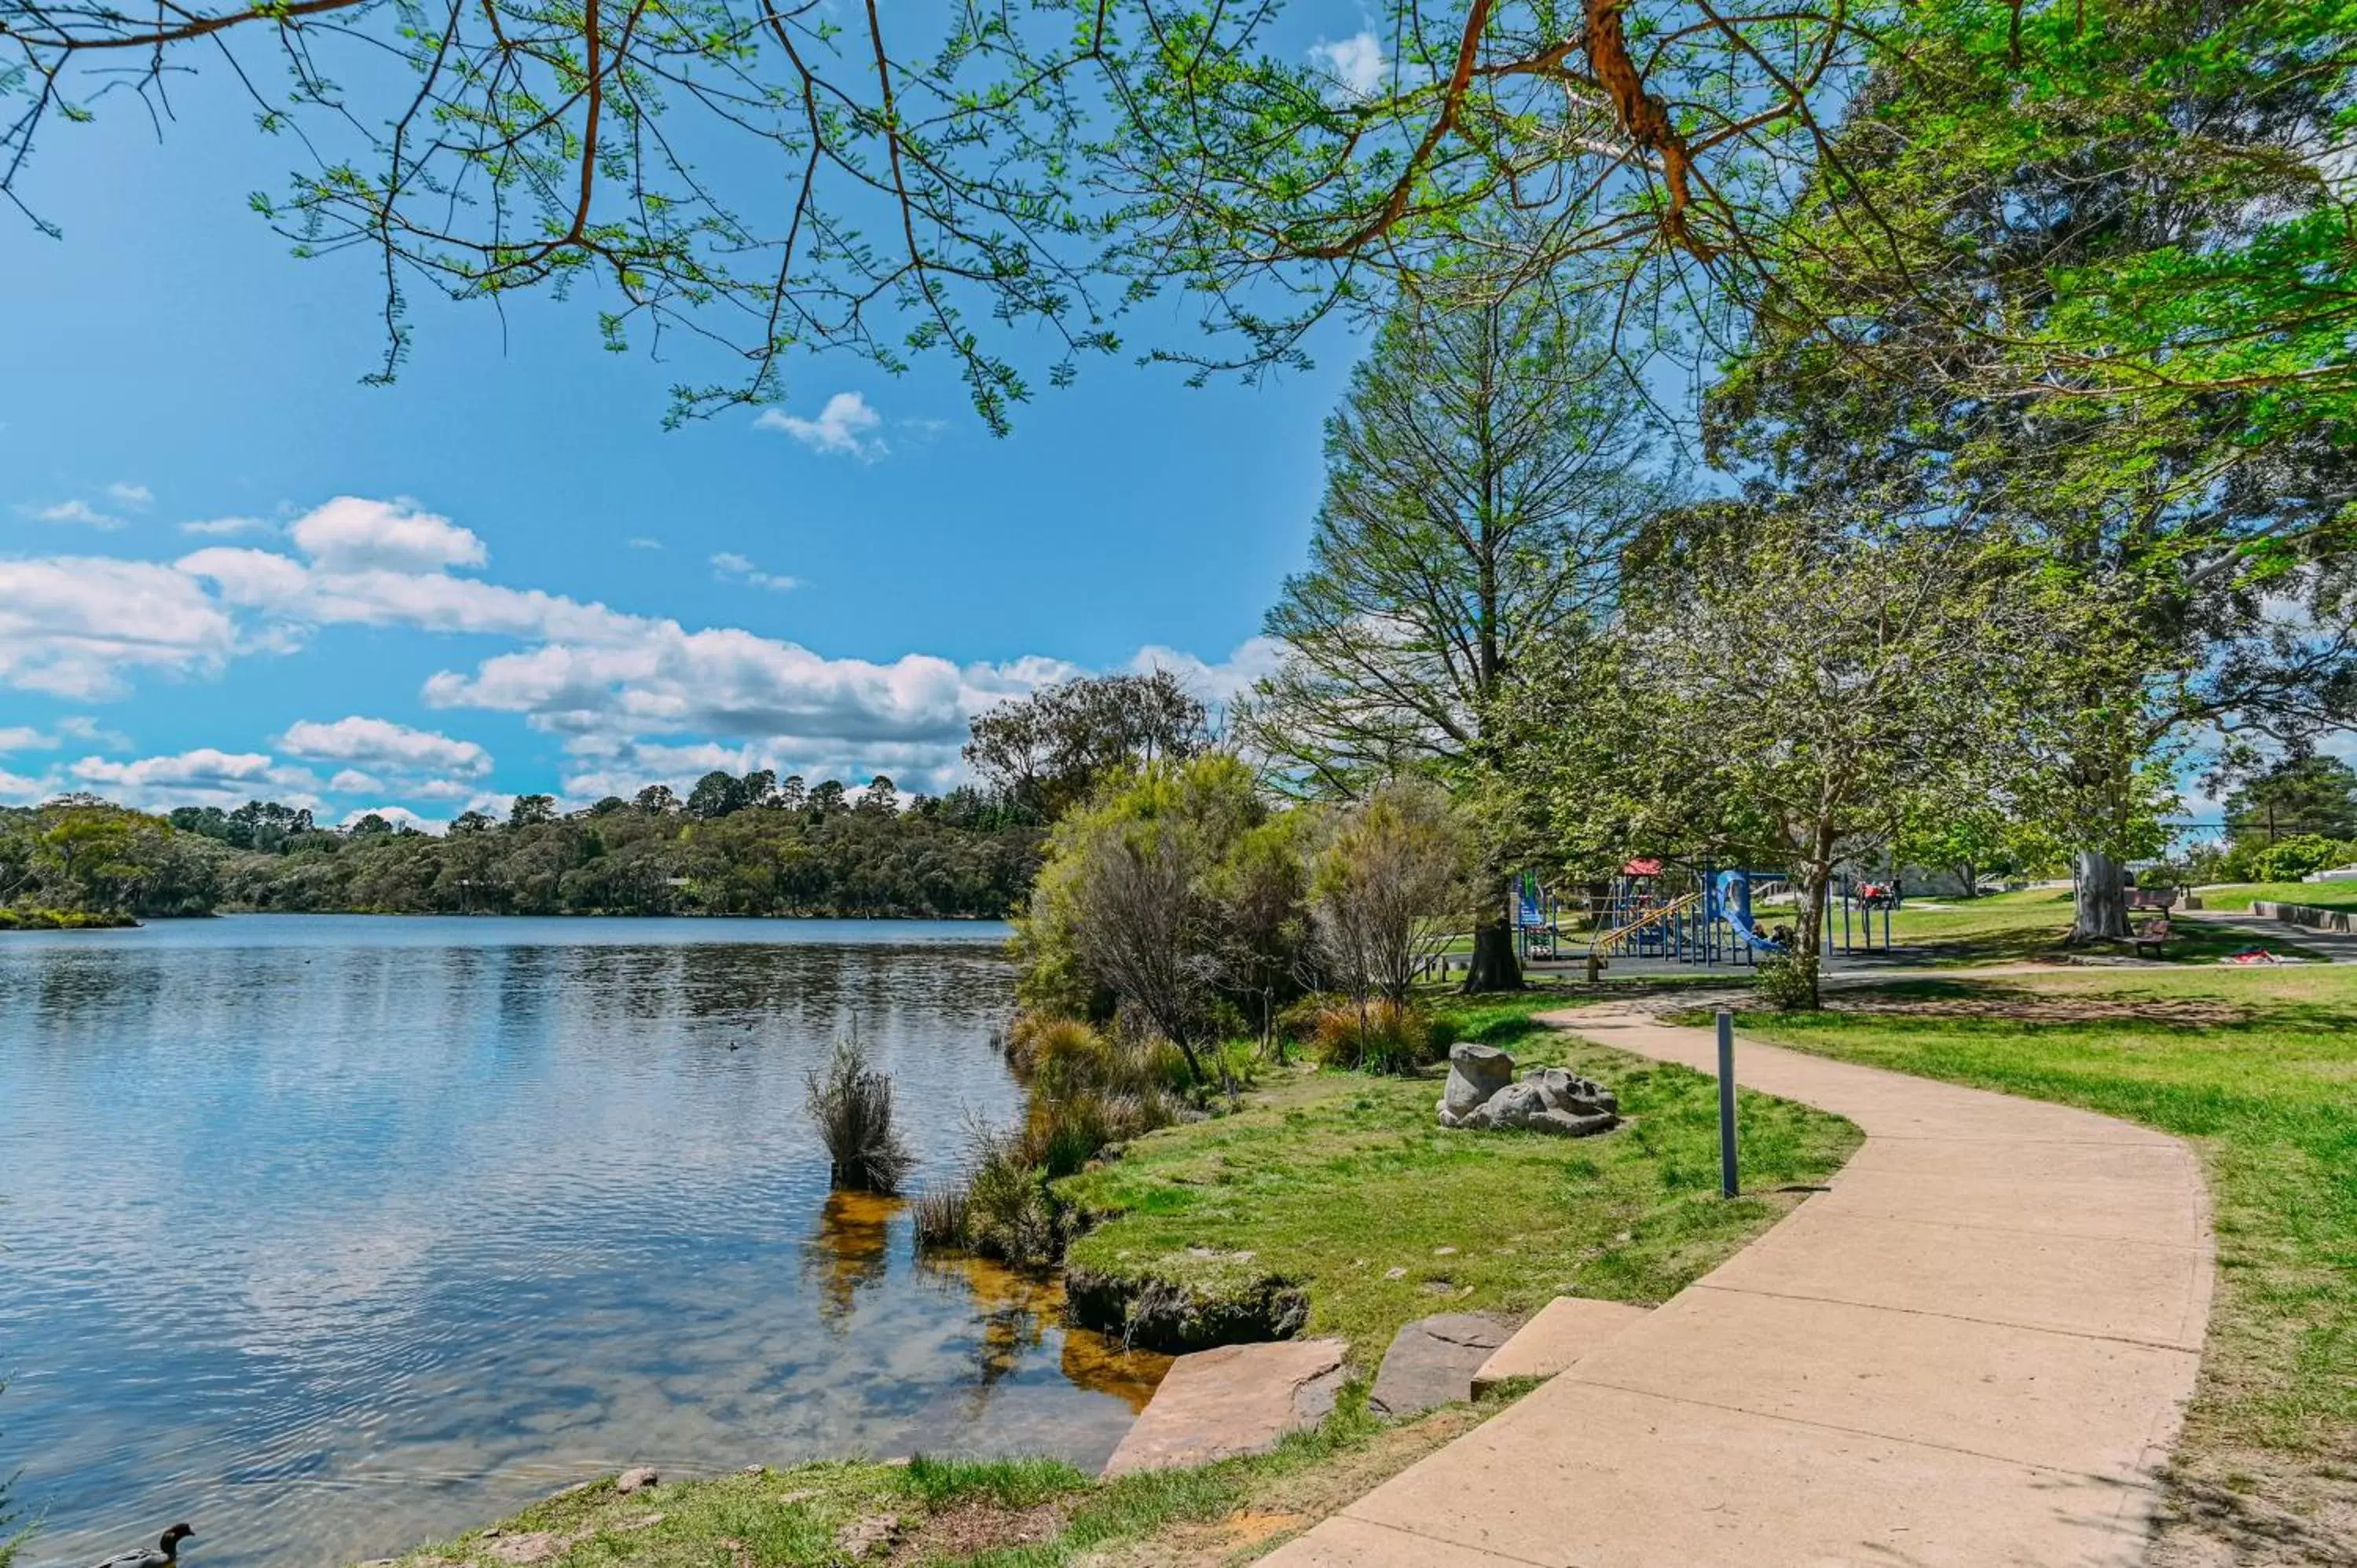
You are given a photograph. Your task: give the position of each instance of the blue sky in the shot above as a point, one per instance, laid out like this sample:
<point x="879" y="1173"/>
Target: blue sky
<point x="229" y="569"/>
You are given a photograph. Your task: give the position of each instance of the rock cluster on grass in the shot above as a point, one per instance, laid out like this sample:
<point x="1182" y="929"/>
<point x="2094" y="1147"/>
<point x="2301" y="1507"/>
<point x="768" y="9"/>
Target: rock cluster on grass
<point x="1483" y="1094"/>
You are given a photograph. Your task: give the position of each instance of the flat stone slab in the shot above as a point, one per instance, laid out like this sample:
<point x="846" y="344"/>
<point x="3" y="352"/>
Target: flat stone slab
<point x="1566" y="1328"/>
<point x="1238" y="1399"/>
<point x="1431" y="1361"/>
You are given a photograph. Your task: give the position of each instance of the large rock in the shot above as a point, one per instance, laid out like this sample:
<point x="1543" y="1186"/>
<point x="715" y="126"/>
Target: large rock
<point x="1564" y="1124"/>
<point x="1475" y="1073"/>
<point x="1239" y="1398"/>
<point x="1432" y="1361"/>
<point x="1566" y="1091"/>
<point x="1481" y="1095"/>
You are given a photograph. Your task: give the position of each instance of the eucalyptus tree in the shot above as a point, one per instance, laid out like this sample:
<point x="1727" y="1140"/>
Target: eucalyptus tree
<point x="1483" y="473"/>
<point x="1048" y="749"/>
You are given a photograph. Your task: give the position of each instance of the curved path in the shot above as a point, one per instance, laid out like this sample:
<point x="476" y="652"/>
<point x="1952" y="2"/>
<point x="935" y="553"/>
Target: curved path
<point x="1975" y="1349"/>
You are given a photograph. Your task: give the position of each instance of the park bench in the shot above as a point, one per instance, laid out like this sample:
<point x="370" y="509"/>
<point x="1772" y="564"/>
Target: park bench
<point x="2150" y="936"/>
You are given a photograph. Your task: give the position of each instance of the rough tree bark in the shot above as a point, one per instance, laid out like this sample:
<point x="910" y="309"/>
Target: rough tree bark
<point x="2100" y="907"/>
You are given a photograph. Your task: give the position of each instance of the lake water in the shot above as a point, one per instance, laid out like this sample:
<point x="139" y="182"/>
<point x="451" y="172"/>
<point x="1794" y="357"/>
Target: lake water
<point x="331" y="1234"/>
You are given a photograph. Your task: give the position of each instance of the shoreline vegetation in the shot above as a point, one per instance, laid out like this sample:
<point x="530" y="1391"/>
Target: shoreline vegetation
<point x="1180" y="1235"/>
<point x="757" y="848"/>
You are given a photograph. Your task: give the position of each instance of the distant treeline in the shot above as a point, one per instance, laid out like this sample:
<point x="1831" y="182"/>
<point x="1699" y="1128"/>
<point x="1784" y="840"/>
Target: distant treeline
<point x="735" y="847"/>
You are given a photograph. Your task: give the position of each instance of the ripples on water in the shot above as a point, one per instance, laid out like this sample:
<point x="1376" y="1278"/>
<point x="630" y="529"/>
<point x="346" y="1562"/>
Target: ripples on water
<point x="332" y="1234"/>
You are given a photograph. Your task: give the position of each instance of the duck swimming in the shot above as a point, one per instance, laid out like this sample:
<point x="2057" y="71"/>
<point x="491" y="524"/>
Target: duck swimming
<point x="163" y="1554"/>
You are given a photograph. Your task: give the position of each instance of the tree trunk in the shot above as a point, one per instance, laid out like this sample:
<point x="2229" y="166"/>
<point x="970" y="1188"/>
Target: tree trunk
<point x="2100" y="910"/>
<point x="1494" y="965"/>
<point x="1809" y="936"/>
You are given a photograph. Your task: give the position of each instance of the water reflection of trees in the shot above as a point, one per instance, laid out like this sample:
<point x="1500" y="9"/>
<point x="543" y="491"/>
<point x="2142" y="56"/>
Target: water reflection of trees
<point x="1016" y="1309"/>
<point x="851" y="1250"/>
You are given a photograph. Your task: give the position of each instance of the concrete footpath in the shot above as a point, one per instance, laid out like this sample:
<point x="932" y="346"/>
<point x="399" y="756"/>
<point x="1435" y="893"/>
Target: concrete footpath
<point x="1975" y="1349"/>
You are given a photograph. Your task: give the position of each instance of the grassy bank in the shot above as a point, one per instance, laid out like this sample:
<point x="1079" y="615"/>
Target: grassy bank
<point x="2259" y="1071"/>
<point x="1019" y="1513"/>
<point x="1344" y="1188"/>
<point x="29" y="919"/>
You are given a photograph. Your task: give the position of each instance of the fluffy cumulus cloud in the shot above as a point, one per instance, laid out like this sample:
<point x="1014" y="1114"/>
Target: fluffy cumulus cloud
<point x="128" y="494"/>
<point x="349" y="534"/>
<point x="204" y="777"/>
<point x="633" y="699"/>
<point x="1356" y="63"/>
<point x="364" y="743"/>
<point x="1223" y="682"/>
<point x="399" y="816"/>
<point x="846" y="426"/>
<point x="82" y="627"/>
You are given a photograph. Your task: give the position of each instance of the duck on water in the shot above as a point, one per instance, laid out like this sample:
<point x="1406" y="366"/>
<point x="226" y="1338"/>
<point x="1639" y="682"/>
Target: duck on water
<point x="165" y="1553"/>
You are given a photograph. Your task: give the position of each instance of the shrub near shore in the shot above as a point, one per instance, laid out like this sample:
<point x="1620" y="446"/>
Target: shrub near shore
<point x="1087" y="1091"/>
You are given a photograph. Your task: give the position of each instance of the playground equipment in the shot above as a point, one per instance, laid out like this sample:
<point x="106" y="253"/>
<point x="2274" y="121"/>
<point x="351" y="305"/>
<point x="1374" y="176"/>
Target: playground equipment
<point x="1644" y="914"/>
<point x="1703" y="914"/>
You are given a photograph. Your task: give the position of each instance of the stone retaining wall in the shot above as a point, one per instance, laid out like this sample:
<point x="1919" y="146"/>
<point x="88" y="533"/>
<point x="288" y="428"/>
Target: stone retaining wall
<point x="2306" y="915"/>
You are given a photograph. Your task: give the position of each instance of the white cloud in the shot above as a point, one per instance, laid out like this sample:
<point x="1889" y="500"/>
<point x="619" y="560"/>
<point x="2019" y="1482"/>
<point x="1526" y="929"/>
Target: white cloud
<point x="846" y="426"/>
<point x="15" y="789"/>
<point x="229" y="527"/>
<point x="130" y="494"/>
<point x="399" y="816"/>
<point x="202" y="776"/>
<point x="80" y="626"/>
<point x="634" y="698"/>
<point x="349" y="534"/>
<point x="731" y="567"/>
<point x="1356" y="63"/>
<point x="382" y="744"/>
<point x="642" y="542"/>
<point x="78" y="511"/>
<point x="25" y="738"/>
<point x="1221" y="682"/>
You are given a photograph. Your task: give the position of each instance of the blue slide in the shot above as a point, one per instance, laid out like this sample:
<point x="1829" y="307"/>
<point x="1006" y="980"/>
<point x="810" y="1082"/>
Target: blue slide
<point x="1730" y="900"/>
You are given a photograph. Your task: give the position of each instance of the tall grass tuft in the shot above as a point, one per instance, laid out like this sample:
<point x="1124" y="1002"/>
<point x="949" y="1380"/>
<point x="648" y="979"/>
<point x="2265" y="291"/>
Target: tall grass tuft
<point x="1381" y="1036"/>
<point x="851" y="1103"/>
<point x="940" y="1215"/>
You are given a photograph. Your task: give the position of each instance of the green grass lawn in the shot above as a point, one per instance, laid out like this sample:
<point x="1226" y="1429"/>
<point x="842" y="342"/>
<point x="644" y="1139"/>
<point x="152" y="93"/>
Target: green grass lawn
<point x="2259" y="1070"/>
<point x="1346" y="1186"/>
<point x="2239" y="895"/>
<point x="2001" y="928"/>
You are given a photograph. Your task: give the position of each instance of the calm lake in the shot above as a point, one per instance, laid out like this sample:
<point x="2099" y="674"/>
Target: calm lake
<point x="332" y="1234"/>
